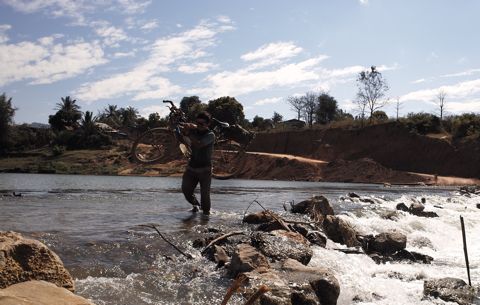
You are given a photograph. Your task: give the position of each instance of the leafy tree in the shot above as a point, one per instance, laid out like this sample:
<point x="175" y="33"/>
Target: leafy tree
<point x="7" y="111"/>
<point x="422" y="122"/>
<point x="379" y="116"/>
<point x="257" y="121"/>
<point x="341" y="115"/>
<point x="110" y="116"/>
<point x="128" y="117"/>
<point x="187" y="105"/>
<point x="226" y="109"/>
<point x="466" y="125"/>
<point x="326" y="110"/>
<point x="277" y="117"/>
<point x="372" y="88"/>
<point x="67" y="116"/>
<point x="196" y="109"/>
<point x="296" y="104"/>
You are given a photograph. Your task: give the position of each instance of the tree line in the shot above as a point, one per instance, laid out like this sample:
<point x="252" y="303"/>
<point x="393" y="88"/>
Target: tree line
<point x="73" y="129"/>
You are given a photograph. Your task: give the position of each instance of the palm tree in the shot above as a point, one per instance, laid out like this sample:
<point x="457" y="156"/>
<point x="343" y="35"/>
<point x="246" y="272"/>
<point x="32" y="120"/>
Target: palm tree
<point x="129" y="116"/>
<point x="88" y="123"/>
<point x="67" y="116"/>
<point x="110" y="116"/>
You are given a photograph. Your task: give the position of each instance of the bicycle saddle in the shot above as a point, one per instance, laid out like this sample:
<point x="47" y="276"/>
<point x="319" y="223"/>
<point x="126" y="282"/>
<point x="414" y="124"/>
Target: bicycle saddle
<point x="223" y="124"/>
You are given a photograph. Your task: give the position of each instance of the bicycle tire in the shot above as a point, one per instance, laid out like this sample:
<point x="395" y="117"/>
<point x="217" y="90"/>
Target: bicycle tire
<point x="153" y="145"/>
<point x="227" y="160"/>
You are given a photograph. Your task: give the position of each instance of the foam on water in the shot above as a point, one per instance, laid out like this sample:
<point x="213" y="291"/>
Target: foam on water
<point x="364" y="282"/>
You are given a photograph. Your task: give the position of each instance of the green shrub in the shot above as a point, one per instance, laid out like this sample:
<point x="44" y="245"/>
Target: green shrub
<point x="57" y="150"/>
<point x="422" y="123"/>
<point x="466" y="125"/>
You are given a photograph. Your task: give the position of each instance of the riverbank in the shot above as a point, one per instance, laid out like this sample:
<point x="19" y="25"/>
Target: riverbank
<point x="264" y="166"/>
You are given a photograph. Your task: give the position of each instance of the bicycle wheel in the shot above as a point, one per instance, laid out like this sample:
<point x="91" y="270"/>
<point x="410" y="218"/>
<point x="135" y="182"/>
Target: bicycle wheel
<point x="227" y="159"/>
<point x="153" y="145"/>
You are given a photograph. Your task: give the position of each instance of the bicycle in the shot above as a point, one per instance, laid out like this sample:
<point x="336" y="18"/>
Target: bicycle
<point x="160" y="144"/>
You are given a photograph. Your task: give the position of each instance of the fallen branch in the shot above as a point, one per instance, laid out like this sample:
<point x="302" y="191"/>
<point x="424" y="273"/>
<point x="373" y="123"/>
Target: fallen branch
<point x="263" y="289"/>
<point x="233" y="288"/>
<point x="216" y="240"/>
<point x="280" y="221"/>
<point x="169" y="242"/>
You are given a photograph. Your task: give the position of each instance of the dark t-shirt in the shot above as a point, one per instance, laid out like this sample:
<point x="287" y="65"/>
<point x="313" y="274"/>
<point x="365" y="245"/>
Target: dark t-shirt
<point x="202" y="155"/>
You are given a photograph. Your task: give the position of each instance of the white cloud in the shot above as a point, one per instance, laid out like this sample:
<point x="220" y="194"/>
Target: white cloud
<point x="268" y="101"/>
<point x="271" y="53"/>
<point x="245" y="81"/>
<point x="134" y="6"/>
<point x="467" y="89"/>
<point x="46" y="62"/>
<point x="363" y="2"/>
<point x="419" y="81"/>
<point x="145" y="81"/>
<point x="150" y="25"/>
<point x="111" y="35"/>
<point x="465" y="106"/>
<point x="3" y="36"/>
<point x="76" y="9"/>
<point x="124" y="54"/>
<point x="200" y="67"/>
<point x="162" y="110"/>
<point x="464" y="73"/>
<point x="432" y="57"/>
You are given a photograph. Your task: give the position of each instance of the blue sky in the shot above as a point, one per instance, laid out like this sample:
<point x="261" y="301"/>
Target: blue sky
<point x="139" y="52"/>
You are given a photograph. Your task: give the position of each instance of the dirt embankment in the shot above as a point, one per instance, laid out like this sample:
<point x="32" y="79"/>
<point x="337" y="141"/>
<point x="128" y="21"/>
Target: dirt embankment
<point x="390" y="145"/>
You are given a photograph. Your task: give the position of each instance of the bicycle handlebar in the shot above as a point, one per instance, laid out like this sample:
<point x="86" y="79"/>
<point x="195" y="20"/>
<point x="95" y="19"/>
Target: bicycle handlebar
<point x="171" y="103"/>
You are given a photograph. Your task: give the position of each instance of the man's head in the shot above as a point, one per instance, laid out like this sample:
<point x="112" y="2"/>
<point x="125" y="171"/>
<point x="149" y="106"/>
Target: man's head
<point x="203" y="120"/>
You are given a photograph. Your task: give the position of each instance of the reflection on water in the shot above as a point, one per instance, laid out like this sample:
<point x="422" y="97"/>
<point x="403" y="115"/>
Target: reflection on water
<point x="92" y="222"/>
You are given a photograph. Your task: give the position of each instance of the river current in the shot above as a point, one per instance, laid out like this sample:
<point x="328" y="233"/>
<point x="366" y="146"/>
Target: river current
<point x="94" y="224"/>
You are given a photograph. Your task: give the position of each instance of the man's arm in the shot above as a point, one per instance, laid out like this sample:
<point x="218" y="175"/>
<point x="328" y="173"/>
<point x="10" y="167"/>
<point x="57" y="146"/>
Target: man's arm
<point x="207" y="139"/>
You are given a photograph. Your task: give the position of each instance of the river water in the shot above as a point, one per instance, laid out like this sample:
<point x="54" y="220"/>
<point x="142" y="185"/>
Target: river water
<point x="93" y="224"/>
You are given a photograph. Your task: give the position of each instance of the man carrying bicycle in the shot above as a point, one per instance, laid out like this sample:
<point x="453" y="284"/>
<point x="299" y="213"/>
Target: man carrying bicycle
<point x="199" y="168"/>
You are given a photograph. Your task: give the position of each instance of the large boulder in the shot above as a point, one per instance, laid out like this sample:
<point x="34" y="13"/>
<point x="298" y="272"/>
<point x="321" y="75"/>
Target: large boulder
<point x="387" y="243"/>
<point x="246" y="258"/>
<point x="317" y="207"/>
<point x="294" y="284"/>
<point x="450" y="290"/>
<point x="39" y="293"/>
<point x="23" y="259"/>
<point x="279" y="245"/>
<point x="340" y="231"/>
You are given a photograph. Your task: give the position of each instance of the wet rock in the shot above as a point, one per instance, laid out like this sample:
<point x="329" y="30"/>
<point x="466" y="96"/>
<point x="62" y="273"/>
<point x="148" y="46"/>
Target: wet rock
<point x="220" y="256"/>
<point x="450" y="290"/>
<point x="387" y="243"/>
<point x="270" y="226"/>
<point x="39" y="293"/>
<point x="317" y="207"/>
<point x="260" y="217"/>
<point x="402" y="207"/>
<point x="478" y="205"/>
<point x="367" y="200"/>
<point x="412" y="256"/>
<point x="294" y="284"/>
<point x="321" y="280"/>
<point x="313" y="236"/>
<point x="25" y="259"/>
<point x="340" y="231"/>
<point x="416" y="207"/>
<point x="390" y="215"/>
<point x="317" y="238"/>
<point x="246" y="258"/>
<point x="353" y="195"/>
<point x="424" y="214"/>
<point x="279" y="245"/>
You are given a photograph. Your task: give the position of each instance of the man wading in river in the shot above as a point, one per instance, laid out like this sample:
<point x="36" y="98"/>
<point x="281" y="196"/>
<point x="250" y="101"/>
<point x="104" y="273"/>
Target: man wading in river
<point x="199" y="167"/>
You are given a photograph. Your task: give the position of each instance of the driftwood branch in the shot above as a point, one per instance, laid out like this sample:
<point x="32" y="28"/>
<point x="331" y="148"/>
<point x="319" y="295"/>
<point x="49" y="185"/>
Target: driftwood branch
<point x="279" y="220"/>
<point x="233" y="288"/>
<point x="216" y="240"/>
<point x="169" y="242"/>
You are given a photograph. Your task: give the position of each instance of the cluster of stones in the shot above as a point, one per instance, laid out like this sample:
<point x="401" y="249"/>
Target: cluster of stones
<point x="30" y="273"/>
<point x="276" y="253"/>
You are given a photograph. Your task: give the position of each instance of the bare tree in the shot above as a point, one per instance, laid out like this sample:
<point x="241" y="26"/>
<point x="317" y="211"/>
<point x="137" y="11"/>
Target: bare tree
<point x="372" y="88"/>
<point x="296" y="104"/>
<point x="310" y="106"/>
<point x="398" y="106"/>
<point x="441" y="103"/>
